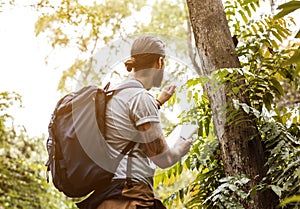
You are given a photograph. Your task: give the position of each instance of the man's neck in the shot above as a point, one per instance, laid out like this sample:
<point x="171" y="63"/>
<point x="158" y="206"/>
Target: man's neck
<point x="146" y="80"/>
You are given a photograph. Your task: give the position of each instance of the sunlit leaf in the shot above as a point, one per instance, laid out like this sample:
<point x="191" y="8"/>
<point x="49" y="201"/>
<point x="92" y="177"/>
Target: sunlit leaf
<point x="290" y="200"/>
<point x="287" y="8"/>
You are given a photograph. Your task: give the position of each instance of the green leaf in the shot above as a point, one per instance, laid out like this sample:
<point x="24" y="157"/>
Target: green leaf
<point x="276" y="189"/>
<point x="254" y="29"/>
<point x="243" y="16"/>
<point x="298" y="34"/>
<point x="274" y="44"/>
<point x="294" y="59"/>
<point x="290" y="200"/>
<point x="248" y="10"/>
<point x="253" y="6"/>
<point x="268" y="100"/>
<point x="276" y="35"/>
<point x="287" y="8"/>
<point x="277" y="85"/>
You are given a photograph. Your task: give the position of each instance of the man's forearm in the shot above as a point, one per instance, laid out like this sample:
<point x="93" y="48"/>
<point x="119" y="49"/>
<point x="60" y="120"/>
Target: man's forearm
<point x="172" y="155"/>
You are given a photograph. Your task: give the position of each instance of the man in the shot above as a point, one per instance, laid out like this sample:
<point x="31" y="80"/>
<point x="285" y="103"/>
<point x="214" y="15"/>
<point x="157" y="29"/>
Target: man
<point x="133" y="115"/>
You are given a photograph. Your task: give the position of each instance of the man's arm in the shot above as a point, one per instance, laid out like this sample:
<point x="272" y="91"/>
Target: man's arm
<point x="157" y="148"/>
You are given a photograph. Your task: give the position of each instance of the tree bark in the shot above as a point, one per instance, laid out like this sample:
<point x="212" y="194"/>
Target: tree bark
<point x="240" y="143"/>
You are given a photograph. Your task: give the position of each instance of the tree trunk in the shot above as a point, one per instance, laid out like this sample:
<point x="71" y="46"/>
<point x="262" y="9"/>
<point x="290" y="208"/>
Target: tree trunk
<point x="240" y="143"/>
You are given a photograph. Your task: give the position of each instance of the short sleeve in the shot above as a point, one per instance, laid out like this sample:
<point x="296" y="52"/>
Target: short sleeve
<point x="143" y="109"/>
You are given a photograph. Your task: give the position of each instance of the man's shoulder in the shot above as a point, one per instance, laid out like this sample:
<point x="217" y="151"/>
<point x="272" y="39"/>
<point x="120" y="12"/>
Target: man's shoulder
<point x="131" y="88"/>
<point x="132" y="91"/>
<point x="128" y="84"/>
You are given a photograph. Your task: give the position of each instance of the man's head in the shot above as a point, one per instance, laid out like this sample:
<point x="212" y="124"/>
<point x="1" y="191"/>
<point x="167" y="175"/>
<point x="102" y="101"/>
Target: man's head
<point x="147" y="55"/>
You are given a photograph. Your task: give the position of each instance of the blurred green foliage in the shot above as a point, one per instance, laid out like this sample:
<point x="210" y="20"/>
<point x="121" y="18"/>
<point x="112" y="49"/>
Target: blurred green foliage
<point x="22" y="172"/>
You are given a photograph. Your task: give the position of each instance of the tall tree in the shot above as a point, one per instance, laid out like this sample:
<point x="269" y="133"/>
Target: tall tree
<point x="240" y="144"/>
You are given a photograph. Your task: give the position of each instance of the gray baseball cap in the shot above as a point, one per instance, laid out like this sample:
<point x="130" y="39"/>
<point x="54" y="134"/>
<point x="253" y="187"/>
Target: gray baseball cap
<point x="148" y="45"/>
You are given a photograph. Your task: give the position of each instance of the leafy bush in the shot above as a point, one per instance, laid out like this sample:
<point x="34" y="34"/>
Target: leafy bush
<point x="22" y="174"/>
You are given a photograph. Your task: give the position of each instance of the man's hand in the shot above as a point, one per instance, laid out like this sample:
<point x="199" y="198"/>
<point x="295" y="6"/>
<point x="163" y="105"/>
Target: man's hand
<point x="166" y="94"/>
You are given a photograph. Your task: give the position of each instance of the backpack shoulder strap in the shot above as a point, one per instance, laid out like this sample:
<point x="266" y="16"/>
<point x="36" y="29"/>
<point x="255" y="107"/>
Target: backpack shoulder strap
<point x="125" y="151"/>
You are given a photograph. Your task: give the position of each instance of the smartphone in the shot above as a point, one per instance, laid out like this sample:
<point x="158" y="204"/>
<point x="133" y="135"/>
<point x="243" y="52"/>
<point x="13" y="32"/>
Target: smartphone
<point x="184" y="131"/>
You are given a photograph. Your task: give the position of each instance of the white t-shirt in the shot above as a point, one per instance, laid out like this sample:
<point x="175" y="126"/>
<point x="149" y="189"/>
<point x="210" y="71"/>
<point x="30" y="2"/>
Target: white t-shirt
<point x="127" y="109"/>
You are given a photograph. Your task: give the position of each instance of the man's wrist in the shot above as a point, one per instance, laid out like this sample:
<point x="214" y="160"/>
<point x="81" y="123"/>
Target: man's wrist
<point x="159" y="104"/>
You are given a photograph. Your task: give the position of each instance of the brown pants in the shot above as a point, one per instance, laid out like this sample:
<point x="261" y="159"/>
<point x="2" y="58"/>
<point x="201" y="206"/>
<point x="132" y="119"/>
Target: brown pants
<point x="124" y="204"/>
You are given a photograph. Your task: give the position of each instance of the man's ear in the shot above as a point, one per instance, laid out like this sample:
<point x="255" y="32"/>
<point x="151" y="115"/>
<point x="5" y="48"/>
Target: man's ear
<point x="160" y="62"/>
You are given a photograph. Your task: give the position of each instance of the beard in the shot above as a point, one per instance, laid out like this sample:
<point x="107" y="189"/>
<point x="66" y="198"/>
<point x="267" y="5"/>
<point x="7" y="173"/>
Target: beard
<point x="158" y="78"/>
